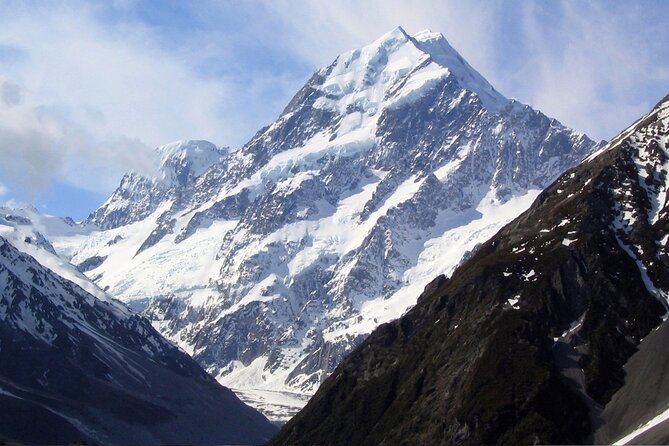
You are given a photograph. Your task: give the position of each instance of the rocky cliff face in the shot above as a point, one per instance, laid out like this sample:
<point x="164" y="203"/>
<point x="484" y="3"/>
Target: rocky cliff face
<point x="384" y="170"/>
<point x="526" y="342"/>
<point x="74" y="367"/>
<point x="178" y="164"/>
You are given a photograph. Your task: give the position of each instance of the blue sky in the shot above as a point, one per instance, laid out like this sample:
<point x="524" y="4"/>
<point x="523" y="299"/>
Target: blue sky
<point x="87" y="88"/>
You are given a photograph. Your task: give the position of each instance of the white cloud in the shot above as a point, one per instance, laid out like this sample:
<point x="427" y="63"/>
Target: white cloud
<point x="591" y="69"/>
<point x="84" y="93"/>
<point x="318" y="31"/>
<point x="83" y="97"/>
<point x="3" y="190"/>
<point x="14" y="204"/>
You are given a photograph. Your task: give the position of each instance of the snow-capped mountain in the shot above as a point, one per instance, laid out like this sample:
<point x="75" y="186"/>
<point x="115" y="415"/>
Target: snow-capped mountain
<point x="178" y="164"/>
<point x="29" y="231"/>
<point x="386" y="169"/>
<point x="75" y="367"/>
<point x="537" y="338"/>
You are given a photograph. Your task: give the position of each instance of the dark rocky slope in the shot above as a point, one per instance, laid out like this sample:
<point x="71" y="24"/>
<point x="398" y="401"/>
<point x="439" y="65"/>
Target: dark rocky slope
<point x="76" y="368"/>
<point x="644" y="395"/>
<point x="526" y="342"/>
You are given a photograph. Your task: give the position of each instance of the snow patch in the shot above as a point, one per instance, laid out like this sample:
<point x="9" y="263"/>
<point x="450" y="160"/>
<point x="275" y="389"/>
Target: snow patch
<point x="512" y="302"/>
<point x="567" y="242"/>
<point x="529" y="275"/>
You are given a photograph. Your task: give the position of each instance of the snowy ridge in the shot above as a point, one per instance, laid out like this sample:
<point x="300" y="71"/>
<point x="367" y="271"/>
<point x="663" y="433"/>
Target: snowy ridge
<point x="445" y="55"/>
<point x="385" y="169"/>
<point x="22" y="309"/>
<point x="24" y="229"/>
<point x="178" y="164"/>
<point x="659" y="112"/>
<point x="636" y="213"/>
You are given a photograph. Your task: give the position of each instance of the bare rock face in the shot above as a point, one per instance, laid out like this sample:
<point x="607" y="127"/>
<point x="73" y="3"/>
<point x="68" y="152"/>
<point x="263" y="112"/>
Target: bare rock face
<point x="527" y="340"/>
<point x="139" y="195"/>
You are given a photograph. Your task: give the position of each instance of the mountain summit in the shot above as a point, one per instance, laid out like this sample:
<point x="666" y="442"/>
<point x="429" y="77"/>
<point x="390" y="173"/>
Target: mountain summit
<point x="182" y="161"/>
<point x="398" y="67"/>
<point x="386" y="169"/>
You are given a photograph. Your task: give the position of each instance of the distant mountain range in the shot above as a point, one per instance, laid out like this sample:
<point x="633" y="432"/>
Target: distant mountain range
<point x="537" y="337"/>
<point x="270" y="263"/>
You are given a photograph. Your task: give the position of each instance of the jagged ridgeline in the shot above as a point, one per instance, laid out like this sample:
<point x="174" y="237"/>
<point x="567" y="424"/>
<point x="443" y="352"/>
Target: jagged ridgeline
<point x="528" y="341"/>
<point x="271" y="262"/>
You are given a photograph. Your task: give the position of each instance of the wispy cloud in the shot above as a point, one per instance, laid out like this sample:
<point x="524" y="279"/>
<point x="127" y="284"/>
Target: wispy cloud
<point x="318" y="31"/>
<point x="81" y="92"/>
<point x="594" y="65"/>
<point x="88" y="88"/>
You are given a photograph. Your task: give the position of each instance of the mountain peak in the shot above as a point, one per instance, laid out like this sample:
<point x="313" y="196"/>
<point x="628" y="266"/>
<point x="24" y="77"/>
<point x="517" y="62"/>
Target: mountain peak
<point x="181" y="160"/>
<point x="188" y="148"/>
<point x="442" y="53"/>
<point x="397" y="67"/>
<point x="397" y="34"/>
<point x="428" y="34"/>
<point x="381" y="159"/>
<point x="177" y="165"/>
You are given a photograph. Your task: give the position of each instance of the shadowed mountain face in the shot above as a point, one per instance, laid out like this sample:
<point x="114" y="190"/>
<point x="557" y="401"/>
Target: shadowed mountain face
<point x="526" y="342"/>
<point x="74" y="367"/>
